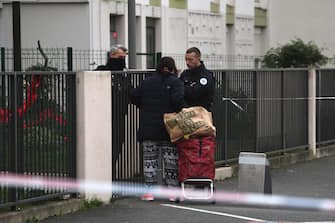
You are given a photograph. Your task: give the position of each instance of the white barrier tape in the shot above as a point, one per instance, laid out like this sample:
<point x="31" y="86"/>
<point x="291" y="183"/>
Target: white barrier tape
<point x="53" y="183"/>
<point x="276" y="201"/>
<point x="247" y="199"/>
<point x="233" y="100"/>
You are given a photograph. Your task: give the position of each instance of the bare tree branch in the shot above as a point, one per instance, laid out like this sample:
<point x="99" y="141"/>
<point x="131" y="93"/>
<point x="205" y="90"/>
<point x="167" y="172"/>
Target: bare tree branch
<point x="46" y="59"/>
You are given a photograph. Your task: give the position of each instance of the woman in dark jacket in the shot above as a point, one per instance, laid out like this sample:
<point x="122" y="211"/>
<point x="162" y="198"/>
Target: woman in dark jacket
<point x="159" y="94"/>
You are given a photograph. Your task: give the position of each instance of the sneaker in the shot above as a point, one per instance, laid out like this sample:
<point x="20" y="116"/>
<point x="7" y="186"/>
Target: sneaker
<point x="172" y="198"/>
<point x="147" y="197"/>
<point x="176" y="199"/>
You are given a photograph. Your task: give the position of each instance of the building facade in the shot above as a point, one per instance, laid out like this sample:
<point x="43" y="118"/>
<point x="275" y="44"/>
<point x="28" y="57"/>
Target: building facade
<point x="230" y="33"/>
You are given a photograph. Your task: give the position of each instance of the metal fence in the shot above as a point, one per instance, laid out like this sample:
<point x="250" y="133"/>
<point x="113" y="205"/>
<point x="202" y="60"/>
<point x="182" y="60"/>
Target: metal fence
<point x="61" y="59"/>
<point x="126" y="151"/>
<point x="269" y="107"/>
<point x="37" y="121"/>
<point x="221" y="61"/>
<point x="274" y="118"/>
<point x="37" y="131"/>
<point x="325" y="107"/>
<point x="69" y="59"/>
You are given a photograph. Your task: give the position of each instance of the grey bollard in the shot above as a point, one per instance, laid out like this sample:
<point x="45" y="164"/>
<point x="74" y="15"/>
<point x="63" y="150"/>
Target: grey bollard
<point x="254" y="173"/>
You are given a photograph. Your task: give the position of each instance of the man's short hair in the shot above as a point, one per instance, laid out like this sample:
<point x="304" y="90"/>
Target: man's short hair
<point x="117" y="47"/>
<point x="194" y="50"/>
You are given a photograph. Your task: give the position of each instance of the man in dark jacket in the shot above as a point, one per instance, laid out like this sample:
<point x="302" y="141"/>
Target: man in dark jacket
<point x="159" y="94"/>
<point x="116" y="60"/>
<point x="198" y="81"/>
<point x="199" y="86"/>
<point x="120" y="94"/>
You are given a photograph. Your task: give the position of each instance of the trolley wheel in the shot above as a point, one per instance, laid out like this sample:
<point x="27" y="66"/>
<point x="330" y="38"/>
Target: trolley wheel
<point x="213" y="200"/>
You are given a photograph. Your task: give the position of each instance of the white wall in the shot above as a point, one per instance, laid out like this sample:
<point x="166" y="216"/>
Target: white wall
<point x="6" y="36"/>
<point x="243" y="28"/>
<point x="305" y="19"/>
<point x="260" y="44"/>
<point x="175" y="30"/>
<point x="261" y="3"/>
<point x="99" y="25"/>
<point x="223" y="4"/>
<point x="230" y="2"/>
<point x="206" y="31"/>
<point x="143" y="2"/>
<point x="200" y="5"/>
<point x="244" y="7"/>
<point x="165" y="3"/>
<point x="141" y="41"/>
<point x="56" y="25"/>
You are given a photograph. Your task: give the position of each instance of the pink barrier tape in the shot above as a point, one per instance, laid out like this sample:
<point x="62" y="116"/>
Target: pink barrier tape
<point x="247" y="199"/>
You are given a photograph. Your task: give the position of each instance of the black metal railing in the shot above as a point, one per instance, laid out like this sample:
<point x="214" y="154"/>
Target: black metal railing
<point x="325" y="106"/>
<point x="69" y="59"/>
<point x="221" y="61"/>
<point x="126" y="151"/>
<point x="37" y="131"/>
<point x="37" y="121"/>
<point x="66" y="59"/>
<point x="273" y="119"/>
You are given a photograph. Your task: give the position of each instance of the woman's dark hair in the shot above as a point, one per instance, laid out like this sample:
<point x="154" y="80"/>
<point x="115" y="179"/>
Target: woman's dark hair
<point x="166" y="65"/>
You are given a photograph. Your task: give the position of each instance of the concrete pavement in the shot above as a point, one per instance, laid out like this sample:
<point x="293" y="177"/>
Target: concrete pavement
<point x="309" y="179"/>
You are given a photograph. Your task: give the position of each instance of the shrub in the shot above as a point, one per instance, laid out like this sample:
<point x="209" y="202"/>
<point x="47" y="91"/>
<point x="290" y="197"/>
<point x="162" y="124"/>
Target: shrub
<point x="296" y="53"/>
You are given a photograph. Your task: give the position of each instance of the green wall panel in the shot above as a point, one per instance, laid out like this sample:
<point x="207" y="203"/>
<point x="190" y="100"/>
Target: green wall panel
<point x="155" y="3"/>
<point x="178" y="4"/>
<point x="215" y="7"/>
<point x="260" y="17"/>
<point x="230" y="15"/>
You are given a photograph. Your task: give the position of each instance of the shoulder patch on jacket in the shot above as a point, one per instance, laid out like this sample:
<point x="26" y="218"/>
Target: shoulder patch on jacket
<point x="203" y="81"/>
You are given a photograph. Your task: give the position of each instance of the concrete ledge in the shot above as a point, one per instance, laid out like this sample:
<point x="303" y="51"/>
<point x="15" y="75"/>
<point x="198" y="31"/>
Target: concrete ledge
<point x="326" y="151"/>
<point x="290" y="158"/>
<point x="43" y="211"/>
<point x="223" y="173"/>
<point x="303" y="156"/>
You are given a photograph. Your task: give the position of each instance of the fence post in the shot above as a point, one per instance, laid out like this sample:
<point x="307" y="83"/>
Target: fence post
<point x="283" y="125"/>
<point x="226" y="95"/>
<point x="12" y="134"/>
<point x="3" y="67"/>
<point x="94" y="129"/>
<point x="256" y="107"/>
<point x="69" y="59"/>
<point x="17" y="54"/>
<point x="318" y="106"/>
<point x="312" y="110"/>
<point x="158" y="57"/>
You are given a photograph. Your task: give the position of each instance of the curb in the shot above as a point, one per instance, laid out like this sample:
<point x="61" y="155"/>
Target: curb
<point x="40" y="212"/>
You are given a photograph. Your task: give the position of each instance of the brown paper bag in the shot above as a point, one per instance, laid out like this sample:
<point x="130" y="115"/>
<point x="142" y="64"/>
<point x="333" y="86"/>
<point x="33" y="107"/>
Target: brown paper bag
<point x="189" y="122"/>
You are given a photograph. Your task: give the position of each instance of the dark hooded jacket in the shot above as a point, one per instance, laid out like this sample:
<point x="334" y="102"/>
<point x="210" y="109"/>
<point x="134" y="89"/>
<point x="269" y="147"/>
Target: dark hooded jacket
<point x="113" y="64"/>
<point x="159" y="94"/>
<point x="199" y="87"/>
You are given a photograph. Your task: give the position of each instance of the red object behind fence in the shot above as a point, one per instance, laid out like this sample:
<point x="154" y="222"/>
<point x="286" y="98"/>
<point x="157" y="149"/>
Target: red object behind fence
<point x="46" y="114"/>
